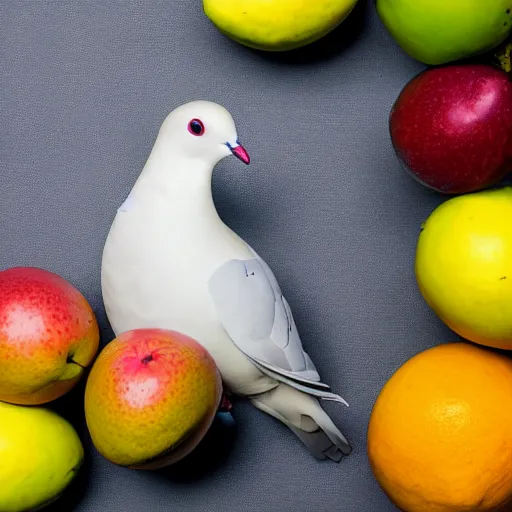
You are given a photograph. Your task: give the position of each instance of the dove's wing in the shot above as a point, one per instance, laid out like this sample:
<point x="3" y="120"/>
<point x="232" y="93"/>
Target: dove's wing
<point x="257" y="317"/>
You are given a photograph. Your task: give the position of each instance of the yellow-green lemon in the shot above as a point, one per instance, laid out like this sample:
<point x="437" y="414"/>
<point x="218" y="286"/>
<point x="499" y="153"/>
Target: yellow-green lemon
<point x="40" y="454"/>
<point x="277" y="25"/>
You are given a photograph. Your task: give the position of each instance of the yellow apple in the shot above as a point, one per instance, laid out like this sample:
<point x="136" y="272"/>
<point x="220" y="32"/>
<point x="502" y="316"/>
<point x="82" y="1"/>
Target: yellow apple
<point x="464" y="265"/>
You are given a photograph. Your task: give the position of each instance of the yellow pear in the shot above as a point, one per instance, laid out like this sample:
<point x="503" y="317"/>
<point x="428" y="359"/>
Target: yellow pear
<point x="40" y="454"/>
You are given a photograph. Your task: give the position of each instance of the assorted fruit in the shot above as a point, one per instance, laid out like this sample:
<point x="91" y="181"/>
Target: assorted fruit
<point x="440" y="431"/>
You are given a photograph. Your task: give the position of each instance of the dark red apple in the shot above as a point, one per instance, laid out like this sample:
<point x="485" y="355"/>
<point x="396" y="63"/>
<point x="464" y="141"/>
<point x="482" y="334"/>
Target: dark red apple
<point x="451" y="127"/>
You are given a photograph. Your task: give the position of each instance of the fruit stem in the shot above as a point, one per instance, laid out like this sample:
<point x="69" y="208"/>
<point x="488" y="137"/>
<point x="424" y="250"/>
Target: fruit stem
<point x="147" y="359"/>
<point x="70" y="360"/>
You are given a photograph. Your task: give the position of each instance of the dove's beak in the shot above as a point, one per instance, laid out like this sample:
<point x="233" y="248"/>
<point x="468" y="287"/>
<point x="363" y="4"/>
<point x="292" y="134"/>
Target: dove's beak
<point x="240" y="152"/>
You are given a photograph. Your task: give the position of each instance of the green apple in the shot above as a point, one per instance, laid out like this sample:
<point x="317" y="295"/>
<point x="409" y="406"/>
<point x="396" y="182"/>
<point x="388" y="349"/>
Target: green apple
<point x="440" y="31"/>
<point x="40" y="454"/>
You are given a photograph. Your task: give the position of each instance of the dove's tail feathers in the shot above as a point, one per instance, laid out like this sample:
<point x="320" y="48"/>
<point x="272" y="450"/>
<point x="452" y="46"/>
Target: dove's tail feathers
<point x="318" y="390"/>
<point x="305" y="417"/>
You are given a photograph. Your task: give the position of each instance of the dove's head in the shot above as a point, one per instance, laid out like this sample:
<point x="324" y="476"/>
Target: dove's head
<point x="202" y="130"/>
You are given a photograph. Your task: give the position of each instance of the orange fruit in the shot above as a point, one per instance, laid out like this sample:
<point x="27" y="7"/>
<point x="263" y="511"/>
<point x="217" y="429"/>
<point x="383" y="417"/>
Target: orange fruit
<point x="440" y="432"/>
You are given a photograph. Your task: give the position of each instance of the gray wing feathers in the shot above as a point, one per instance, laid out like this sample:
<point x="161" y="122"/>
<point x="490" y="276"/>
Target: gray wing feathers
<point x="246" y="308"/>
<point x="314" y="389"/>
<point x="257" y="317"/>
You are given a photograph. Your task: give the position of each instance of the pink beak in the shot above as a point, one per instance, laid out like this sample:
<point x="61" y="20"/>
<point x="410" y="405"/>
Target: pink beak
<point x="240" y="152"/>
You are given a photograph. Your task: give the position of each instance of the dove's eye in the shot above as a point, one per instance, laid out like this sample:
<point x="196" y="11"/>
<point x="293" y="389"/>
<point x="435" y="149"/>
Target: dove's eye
<point x="196" y="127"/>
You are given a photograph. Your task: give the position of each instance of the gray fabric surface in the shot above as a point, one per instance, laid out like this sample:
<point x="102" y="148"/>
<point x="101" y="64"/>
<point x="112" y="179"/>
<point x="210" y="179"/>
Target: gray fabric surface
<point x="84" y="87"/>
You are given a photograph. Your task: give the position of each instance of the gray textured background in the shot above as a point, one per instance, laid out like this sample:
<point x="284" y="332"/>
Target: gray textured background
<point x="84" y="86"/>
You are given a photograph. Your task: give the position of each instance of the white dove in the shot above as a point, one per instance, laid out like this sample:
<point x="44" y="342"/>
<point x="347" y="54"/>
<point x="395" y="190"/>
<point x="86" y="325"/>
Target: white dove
<point x="169" y="261"/>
